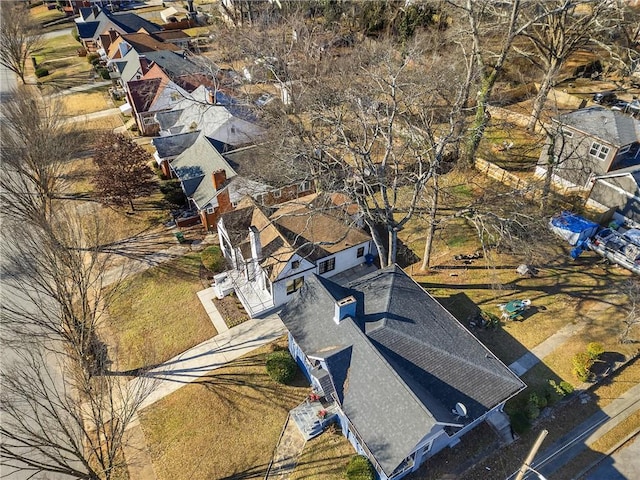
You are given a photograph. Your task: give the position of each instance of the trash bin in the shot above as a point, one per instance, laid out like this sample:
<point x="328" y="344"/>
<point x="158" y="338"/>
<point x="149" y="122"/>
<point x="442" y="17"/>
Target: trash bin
<point x="179" y="236"/>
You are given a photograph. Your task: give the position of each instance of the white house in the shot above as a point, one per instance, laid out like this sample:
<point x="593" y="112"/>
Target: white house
<point x="272" y="251"/>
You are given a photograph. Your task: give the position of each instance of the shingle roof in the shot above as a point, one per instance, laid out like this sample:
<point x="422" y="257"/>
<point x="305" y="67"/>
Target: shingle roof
<point x="87" y="30"/>
<point x="130" y="22"/>
<point x="143" y="43"/>
<point x="194" y="167"/>
<point x="401" y="365"/>
<point x="608" y="125"/>
<point x="174" y="145"/>
<point x="172" y="63"/>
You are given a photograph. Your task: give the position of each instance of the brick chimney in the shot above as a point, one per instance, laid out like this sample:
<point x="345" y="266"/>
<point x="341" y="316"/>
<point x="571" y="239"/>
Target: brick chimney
<point x="219" y="177"/>
<point x="344" y="308"/>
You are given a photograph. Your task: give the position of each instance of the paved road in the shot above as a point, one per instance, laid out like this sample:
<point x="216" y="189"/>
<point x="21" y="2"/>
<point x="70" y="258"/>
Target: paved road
<point x="579" y="439"/>
<point x="624" y="464"/>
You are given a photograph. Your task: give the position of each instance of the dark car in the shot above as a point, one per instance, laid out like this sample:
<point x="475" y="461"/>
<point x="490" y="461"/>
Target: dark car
<point x="605" y="98"/>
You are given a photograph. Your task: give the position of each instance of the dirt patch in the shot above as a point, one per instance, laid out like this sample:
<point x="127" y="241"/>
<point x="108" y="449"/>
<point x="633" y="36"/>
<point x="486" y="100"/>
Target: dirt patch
<point x="231" y="310"/>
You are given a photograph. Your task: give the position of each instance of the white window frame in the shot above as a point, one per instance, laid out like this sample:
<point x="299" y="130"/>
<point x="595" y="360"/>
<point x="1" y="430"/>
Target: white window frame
<point x="567" y="133"/>
<point x="211" y="210"/>
<point x="304" y="186"/>
<point x="276" y="193"/>
<point x="360" y="252"/>
<point x="295" y="264"/>
<point x="599" y="151"/>
<point x="292" y="286"/>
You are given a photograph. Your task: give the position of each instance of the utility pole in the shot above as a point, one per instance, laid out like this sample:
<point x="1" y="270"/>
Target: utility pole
<point x="526" y="466"/>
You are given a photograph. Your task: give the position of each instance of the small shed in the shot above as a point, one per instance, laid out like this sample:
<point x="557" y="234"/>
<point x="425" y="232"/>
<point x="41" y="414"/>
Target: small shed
<point x="573" y="228"/>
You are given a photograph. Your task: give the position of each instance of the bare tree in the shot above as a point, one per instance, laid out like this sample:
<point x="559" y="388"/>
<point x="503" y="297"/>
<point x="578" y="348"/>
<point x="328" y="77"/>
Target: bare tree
<point x="560" y="28"/>
<point x="621" y="39"/>
<point x="56" y="419"/>
<point x="36" y="143"/>
<point x="632" y="290"/>
<point x="20" y="36"/>
<point x="123" y="173"/>
<point x="57" y="268"/>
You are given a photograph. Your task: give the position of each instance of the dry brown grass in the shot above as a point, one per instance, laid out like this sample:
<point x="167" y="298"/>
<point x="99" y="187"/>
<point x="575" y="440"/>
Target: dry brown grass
<point x="156" y="314"/>
<point x="104" y="123"/>
<point x="324" y="457"/>
<point x="82" y="103"/>
<point x="224" y="426"/>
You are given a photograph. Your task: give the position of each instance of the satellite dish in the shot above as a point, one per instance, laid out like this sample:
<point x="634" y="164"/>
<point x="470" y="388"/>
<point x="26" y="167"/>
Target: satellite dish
<point x="461" y="410"/>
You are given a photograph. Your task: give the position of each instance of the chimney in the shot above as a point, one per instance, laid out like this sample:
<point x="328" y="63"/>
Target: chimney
<point x="345" y="308"/>
<point x="210" y="96"/>
<point x="95" y="10"/>
<point x="256" y="246"/>
<point x="219" y="177"/>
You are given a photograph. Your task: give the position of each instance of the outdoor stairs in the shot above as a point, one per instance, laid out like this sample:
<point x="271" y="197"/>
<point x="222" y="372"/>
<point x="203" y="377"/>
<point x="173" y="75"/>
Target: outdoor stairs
<point x="306" y="417"/>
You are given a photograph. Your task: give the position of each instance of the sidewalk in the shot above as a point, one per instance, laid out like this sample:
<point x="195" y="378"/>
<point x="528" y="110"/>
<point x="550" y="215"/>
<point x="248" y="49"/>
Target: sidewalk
<point x="81" y="88"/>
<point x="581" y="437"/>
<point x="211" y="354"/>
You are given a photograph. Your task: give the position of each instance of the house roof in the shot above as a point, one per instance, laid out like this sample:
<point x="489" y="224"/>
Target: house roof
<point x="173" y="145"/>
<point x="143" y="43"/>
<point x="125" y="22"/>
<point x="611" y="126"/>
<point x="259" y="160"/>
<point x="173" y="64"/>
<point x="215" y="121"/>
<point x="295" y="227"/>
<point x="87" y="30"/>
<point x="401" y="365"/>
<point x="168" y="35"/>
<point x="143" y="92"/>
<point x="194" y="167"/>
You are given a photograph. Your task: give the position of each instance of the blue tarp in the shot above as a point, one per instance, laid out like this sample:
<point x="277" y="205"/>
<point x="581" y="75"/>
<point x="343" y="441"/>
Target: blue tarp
<point x="573" y="228"/>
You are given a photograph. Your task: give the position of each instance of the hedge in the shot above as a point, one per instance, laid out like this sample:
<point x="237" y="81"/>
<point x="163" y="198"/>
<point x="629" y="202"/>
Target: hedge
<point x="41" y="72"/>
<point x="360" y="468"/>
<point x="281" y="366"/>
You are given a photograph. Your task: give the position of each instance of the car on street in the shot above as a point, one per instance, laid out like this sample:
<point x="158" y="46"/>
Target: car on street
<point x="605" y="98"/>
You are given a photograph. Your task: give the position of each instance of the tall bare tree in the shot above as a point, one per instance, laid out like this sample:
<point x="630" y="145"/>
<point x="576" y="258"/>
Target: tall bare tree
<point x="20" y="36"/>
<point x="556" y="30"/>
<point x="58" y="420"/>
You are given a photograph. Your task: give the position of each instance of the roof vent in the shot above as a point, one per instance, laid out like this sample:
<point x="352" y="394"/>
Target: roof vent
<point x="344" y="308"/>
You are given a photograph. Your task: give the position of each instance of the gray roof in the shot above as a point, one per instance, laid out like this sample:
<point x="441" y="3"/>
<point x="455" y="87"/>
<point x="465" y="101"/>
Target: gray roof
<point x="401" y="365"/>
<point x="174" y="145"/>
<point x="172" y="63"/>
<point x="611" y="126"/>
<point x="127" y="22"/>
<point x="194" y="167"/>
<point x="166" y="120"/>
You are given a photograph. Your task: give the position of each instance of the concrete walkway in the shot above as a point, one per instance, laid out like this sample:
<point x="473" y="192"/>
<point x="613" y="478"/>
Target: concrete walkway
<point x="92" y="116"/>
<point x="580" y="438"/>
<point x="81" y="88"/>
<point x="211" y="354"/>
<point x="537" y="353"/>
<point x="206" y="298"/>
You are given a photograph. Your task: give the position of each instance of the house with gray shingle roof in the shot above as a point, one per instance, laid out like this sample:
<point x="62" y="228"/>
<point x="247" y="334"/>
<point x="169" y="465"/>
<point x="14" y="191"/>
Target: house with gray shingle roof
<point x="399" y="374"/>
<point x="588" y="143"/>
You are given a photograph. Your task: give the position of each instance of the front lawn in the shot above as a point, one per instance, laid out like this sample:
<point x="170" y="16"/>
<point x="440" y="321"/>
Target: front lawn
<point x="324" y="457"/>
<point x="156" y="314"/>
<point x="226" y="425"/>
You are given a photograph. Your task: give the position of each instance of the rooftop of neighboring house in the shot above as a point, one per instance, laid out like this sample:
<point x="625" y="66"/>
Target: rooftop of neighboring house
<point x="173" y="145"/>
<point x="168" y="35"/>
<point x="261" y="162"/>
<point x="195" y="167"/>
<point x="154" y="94"/>
<point x="400" y="364"/>
<point x="197" y="111"/>
<point x="100" y="20"/>
<point x="301" y="226"/>
<point x="611" y="126"/>
<point x="143" y="43"/>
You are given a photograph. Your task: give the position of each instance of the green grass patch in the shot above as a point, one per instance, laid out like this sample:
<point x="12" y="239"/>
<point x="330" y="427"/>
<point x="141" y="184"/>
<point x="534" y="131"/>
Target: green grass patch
<point x="43" y="15"/>
<point x="157" y="314"/>
<point x="235" y="414"/>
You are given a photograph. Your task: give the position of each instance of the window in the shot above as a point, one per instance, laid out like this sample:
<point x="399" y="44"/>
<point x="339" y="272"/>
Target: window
<point x="327" y="265"/>
<point x="149" y="121"/>
<point x="567" y="133"/>
<point x="360" y="252"/>
<point x="210" y="210"/>
<point x="295" y="264"/>
<point x="294" y="285"/>
<point x="599" y="151"/>
<point x="276" y="193"/>
<point x="304" y="186"/>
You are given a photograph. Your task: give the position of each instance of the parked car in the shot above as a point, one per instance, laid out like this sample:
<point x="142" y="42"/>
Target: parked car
<point x="620" y="105"/>
<point x="605" y="98"/>
<point x="634" y="107"/>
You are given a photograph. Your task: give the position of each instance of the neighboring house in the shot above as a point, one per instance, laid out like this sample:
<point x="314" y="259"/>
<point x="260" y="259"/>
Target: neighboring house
<point x="210" y="184"/>
<point x="212" y="113"/>
<point x="170" y="146"/>
<point x="99" y="21"/>
<point x="399" y="374"/>
<point x="617" y="195"/>
<point x="273" y="250"/>
<point x="151" y="95"/>
<point x="589" y="143"/>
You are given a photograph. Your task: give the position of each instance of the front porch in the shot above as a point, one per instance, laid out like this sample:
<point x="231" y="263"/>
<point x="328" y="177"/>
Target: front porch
<point x="256" y="301"/>
<point x="312" y="416"/>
